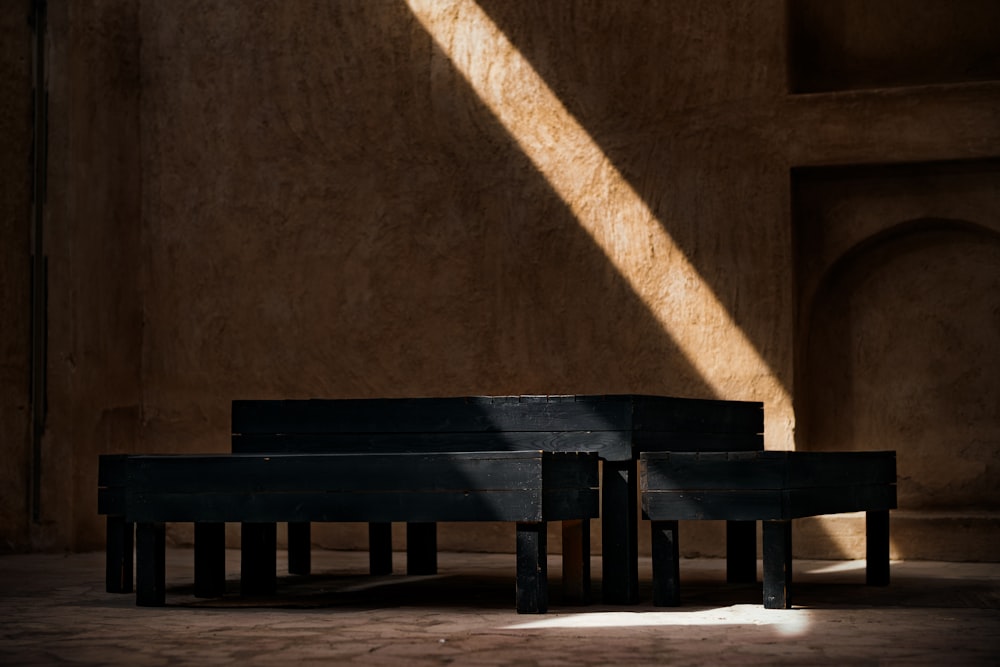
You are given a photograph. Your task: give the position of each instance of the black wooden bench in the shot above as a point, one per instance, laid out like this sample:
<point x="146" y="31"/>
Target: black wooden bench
<point x="258" y="490"/>
<point x="616" y="427"/>
<point x="771" y="487"/>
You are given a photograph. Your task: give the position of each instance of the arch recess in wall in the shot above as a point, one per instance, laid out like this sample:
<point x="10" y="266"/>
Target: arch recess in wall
<point x="900" y="349"/>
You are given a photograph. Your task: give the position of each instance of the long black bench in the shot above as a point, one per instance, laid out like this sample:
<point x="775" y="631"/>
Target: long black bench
<point x="771" y="487"/>
<point x="616" y="427"/>
<point x="258" y="490"/>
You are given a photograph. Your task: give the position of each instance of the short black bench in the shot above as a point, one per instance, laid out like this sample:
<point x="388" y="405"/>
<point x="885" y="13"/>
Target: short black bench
<point x="258" y="490"/>
<point x="771" y="487"/>
<point x="616" y="427"/>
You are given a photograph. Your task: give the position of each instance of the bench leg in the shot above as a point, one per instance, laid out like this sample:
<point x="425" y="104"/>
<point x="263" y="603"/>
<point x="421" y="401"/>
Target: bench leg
<point x="421" y="548"/>
<point x="666" y="564"/>
<point x="777" y="537"/>
<point x="118" y="555"/>
<point x="380" y="548"/>
<point x="299" y="547"/>
<point x="151" y="559"/>
<point x="532" y="590"/>
<point x="877" y="548"/>
<point x="741" y="552"/>
<point x="576" y="561"/>
<point x="209" y="560"/>
<point x="258" y="558"/>
<point x="619" y="538"/>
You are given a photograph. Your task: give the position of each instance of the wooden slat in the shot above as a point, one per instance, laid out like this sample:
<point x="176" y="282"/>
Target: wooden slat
<point x="360" y="473"/>
<point x="564" y="504"/>
<point x="747" y="505"/>
<point x="668" y="414"/>
<point x="810" y="469"/>
<point x="608" y="444"/>
<point x="664" y="441"/>
<point x="497" y="413"/>
<point x="765" y="470"/>
<point x="433" y="415"/>
<point x="711" y="471"/>
<point x="837" y="500"/>
<point x="379" y="507"/>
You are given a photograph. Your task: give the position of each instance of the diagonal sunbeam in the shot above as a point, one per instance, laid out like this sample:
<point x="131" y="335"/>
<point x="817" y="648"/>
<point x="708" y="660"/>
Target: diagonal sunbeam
<point x="604" y="204"/>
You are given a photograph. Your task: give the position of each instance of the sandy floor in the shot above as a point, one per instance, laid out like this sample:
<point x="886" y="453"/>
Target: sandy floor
<point x="54" y="610"/>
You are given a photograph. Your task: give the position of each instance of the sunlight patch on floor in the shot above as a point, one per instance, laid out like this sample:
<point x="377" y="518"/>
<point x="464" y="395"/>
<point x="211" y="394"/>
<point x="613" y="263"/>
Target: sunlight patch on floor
<point x="839" y="566"/>
<point x="787" y="622"/>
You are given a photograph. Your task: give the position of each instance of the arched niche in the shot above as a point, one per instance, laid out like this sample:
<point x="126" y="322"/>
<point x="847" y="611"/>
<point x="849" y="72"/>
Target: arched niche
<point x="899" y="348"/>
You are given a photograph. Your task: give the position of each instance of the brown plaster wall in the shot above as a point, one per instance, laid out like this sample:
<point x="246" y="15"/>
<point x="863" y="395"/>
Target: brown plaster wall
<point x="92" y="228"/>
<point x="345" y="216"/>
<point x="275" y="199"/>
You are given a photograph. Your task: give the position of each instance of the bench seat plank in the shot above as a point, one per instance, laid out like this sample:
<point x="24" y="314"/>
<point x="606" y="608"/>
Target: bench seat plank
<point x="772" y="487"/>
<point x="528" y="488"/>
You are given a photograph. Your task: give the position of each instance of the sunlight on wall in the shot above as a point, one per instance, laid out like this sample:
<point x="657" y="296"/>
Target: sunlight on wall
<point x="785" y="622"/>
<point x="602" y="200"/>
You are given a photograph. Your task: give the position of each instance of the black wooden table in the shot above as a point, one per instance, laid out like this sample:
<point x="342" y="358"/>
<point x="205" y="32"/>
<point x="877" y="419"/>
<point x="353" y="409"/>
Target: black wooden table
<point x="771" y="487"/>
<point x="258" y="490"/>
<point x="616" y="427"/>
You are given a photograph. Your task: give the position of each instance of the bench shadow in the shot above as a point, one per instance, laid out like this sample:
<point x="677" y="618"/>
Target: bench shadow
<point x="367" y="592"/>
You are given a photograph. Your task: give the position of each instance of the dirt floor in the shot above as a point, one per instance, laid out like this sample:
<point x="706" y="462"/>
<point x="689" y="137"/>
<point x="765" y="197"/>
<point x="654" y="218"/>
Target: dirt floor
<point x="54" y="610"/>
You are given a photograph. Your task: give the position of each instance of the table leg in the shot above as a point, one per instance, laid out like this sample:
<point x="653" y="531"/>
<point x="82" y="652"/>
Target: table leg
<point x="118" y="555"/>
<point x="299" y="547"/>
<point x="741" y="552"/>
<point x="666" y="564"/>
<point x="877" y="547"/>
<point x="619" y="538"/>
<point x="151" y="564"/>
<point x="576" y="561"/>
<point x="209" y="560"/>
<point x="380" y="548"/>
<point x="258" y="558"/>
<point x="532" y="592"/>
<point x="421" y="548"/>
<point x="777" y="537"/>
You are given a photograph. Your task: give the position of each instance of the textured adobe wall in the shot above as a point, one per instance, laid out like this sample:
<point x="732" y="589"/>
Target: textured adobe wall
<point x="92" y="227"/>
<point x="273" y="199"/>
<point x="344" y="217"/>
<point x="331" y="210"/>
